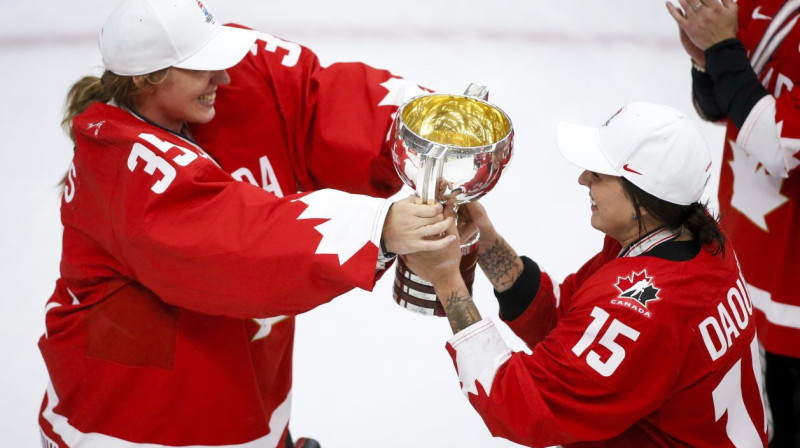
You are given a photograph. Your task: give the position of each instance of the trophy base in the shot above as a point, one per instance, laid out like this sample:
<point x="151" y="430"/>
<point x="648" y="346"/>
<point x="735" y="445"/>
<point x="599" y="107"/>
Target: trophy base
<point x="417" y="294"/>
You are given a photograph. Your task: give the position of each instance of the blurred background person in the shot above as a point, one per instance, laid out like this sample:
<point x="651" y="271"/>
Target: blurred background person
<point x="745" y="67"/>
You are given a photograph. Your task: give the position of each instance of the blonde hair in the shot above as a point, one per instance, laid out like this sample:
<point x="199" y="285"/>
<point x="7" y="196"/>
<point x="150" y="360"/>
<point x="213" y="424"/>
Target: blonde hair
<point x="110" y="86"/>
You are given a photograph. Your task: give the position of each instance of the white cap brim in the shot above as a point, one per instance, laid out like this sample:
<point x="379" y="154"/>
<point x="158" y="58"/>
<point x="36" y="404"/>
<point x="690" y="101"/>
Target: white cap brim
<point x="226" y="49"/>
<point x="580" y="145"/>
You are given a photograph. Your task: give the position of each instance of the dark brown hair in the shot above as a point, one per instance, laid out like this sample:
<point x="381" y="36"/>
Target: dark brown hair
<point x="694" y="217"/>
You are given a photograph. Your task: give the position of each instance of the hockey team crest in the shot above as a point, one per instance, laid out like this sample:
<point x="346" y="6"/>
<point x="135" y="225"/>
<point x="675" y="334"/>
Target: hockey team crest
<point x="639" y="289"/>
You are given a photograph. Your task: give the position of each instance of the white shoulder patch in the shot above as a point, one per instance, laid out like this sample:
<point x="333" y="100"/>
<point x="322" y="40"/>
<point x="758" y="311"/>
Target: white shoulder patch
<point x="352" y="221"/>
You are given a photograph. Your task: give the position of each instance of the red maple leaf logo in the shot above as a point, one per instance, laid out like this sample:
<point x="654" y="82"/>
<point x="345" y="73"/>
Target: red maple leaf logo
<point x="639" y="286"/>
<point x="626" y="283"/>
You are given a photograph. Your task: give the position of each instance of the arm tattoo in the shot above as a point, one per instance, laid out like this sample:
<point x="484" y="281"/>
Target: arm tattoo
<point x="499" y="263"/>
<point x="461" y="311"/>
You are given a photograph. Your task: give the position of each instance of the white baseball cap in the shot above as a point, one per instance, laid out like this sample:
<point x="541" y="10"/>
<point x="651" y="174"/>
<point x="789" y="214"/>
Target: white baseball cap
<point x="655" y="147"/>
<point x="144" y="36"/>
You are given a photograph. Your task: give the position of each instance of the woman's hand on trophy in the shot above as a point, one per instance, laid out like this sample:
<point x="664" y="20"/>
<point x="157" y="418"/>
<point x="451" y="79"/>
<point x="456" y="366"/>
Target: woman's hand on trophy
<point x="496" y="257"/>
<point x="440" y="265"/>
<point x="472" y="217"/>
<point x="411" y="226"/>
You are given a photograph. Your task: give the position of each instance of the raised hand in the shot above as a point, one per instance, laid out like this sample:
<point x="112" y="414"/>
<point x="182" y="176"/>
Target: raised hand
<point x="704" y="23"/>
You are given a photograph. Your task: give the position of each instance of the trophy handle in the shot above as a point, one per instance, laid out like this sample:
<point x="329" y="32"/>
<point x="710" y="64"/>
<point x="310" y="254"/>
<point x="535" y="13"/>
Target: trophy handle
<point x="477" y="91"/>
<point x="432" y="173"/>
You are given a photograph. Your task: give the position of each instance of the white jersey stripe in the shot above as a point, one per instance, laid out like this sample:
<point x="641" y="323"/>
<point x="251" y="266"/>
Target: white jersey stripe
<point x="760" y="56"/>
<point x="775" y="312"/>
<point x="77" y="439"/>
<point x="758" y="65"/>
<point x="755" y="358"/>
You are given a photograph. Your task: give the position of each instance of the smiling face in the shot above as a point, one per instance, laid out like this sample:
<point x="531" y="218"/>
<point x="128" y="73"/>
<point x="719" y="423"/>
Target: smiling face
<point x="612" y="209"/>
<point x="184" y="96"/>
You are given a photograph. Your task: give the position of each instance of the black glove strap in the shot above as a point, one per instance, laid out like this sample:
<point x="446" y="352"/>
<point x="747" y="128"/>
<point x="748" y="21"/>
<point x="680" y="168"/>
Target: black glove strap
<point x="736" y="86"/>
<point x="703" y="95"/>
<point x="386" y="253"/>
<point x="516" y="299"/>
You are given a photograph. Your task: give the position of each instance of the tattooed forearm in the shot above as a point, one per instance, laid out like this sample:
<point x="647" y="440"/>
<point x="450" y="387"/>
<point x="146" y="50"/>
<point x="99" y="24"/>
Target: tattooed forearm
<point x="461" y="311"/>
<point x="500" y="264"/>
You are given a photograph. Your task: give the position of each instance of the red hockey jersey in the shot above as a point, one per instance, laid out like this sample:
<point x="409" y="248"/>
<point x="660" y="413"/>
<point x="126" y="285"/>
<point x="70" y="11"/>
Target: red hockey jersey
<point x="627" y="352"/>
<point x="168" y="326"/>
<point x="759" y="182"/>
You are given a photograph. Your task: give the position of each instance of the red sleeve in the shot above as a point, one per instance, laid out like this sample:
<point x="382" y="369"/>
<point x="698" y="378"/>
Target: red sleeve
<point x="355" y="107"/>
<point x="230" y="249"/>
<point x="203" y="241"/>
<point x="319" y="127"/>
<point x="541" y="315"/>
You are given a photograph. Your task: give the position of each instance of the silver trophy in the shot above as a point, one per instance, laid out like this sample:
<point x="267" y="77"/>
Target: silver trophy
<point x="448" y="146"/>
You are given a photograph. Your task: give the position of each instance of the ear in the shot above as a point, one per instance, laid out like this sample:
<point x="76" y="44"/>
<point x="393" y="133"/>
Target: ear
<point x="138" y="81"/>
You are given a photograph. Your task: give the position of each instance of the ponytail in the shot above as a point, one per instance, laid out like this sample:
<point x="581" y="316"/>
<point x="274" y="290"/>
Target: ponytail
<point x="705" y="227"/>
<point x="110" y="86"/>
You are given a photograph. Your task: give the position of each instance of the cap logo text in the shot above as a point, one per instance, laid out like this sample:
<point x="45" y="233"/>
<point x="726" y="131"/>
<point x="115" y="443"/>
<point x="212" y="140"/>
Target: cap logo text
<point x="209" y="16"/>
<point x="612" y="117"/>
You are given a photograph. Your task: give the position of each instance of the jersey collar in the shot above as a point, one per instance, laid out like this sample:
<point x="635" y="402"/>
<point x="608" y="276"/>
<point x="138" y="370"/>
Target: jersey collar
<point x="651" y="240"/>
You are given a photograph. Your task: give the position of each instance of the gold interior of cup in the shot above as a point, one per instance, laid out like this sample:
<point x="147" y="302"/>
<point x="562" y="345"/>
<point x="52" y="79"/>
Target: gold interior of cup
<point x="456" y="121"/>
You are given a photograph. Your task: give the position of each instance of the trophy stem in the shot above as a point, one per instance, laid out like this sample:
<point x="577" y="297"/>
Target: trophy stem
<point x="417" y="294"/>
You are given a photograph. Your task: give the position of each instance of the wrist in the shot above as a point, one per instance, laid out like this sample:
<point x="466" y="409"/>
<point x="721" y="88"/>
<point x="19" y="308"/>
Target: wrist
<point x="488" y="237"/>
<point x="457" y="302"/>
<point x="385" y="252"/>
<point x="447" y="282"/>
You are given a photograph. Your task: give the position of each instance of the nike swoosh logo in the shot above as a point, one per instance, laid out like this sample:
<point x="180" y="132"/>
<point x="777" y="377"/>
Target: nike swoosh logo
<point x="629" y="169"/>
<point x="757" y="15"/>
